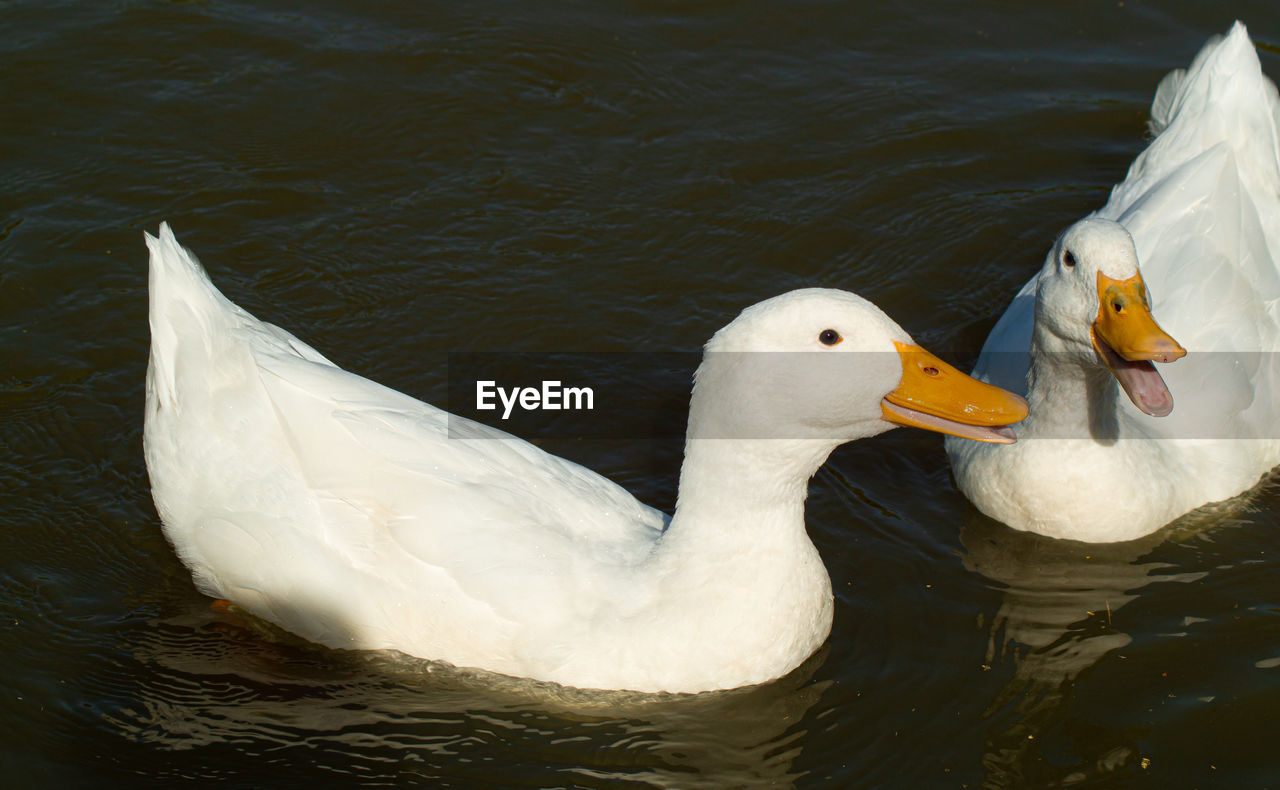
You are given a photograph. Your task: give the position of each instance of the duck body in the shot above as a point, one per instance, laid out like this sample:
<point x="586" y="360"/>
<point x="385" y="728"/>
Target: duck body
<point x="1200" y="210"/>
<point x="358" y="517"/>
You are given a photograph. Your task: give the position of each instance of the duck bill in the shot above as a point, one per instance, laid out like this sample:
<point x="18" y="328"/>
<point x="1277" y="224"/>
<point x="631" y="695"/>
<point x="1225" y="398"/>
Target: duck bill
<point x="1127" y="338"/>
<point x="935" y="396"/>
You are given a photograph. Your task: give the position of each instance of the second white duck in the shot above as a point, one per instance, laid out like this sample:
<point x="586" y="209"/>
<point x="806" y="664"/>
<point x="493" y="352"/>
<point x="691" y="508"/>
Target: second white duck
<point x="1200" y="209"/>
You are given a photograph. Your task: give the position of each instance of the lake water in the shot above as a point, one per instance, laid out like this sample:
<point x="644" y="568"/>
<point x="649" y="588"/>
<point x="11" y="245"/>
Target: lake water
<point x="397" y="181"/>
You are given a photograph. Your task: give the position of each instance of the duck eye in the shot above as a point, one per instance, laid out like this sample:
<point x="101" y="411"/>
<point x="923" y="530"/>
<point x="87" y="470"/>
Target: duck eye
<point x="1068" y="260"/>
<point x="829" y="337"/>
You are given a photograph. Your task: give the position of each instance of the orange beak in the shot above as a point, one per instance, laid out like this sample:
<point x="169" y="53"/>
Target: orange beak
<point x="1128" y="339"/>
<point x="935" y="396"/>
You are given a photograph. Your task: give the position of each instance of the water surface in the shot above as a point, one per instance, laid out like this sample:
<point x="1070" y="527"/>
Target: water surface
<point x="397" y="181"/>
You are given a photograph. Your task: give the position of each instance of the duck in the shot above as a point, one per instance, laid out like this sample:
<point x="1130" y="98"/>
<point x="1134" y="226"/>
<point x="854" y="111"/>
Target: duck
<point x="1145" y="342"/>
<point x="358" y="517"/>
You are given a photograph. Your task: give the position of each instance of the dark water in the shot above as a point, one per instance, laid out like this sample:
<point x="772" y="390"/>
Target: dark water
<point x="397" y="181"/>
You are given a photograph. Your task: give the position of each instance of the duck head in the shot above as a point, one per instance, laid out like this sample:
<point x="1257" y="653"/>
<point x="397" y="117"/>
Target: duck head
<point x="827" y="364"/>
<point x="1092" y="303"/>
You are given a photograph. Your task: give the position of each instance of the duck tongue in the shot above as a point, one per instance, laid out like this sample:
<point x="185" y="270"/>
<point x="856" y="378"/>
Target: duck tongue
<point x="1140" y="381"/>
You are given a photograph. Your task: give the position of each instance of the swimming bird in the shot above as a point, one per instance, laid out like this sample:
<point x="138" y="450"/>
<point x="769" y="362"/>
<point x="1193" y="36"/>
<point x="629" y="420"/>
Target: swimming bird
<point x="358" y="517"/>
<point x="1187" y="243"/>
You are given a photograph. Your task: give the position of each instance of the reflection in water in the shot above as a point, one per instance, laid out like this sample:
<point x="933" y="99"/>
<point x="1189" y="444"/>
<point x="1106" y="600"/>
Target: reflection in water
<point x="212" y="684"/>
<point x="1056" y="620"/>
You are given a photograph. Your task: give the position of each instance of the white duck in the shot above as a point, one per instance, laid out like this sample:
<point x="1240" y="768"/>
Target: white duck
<point x="1200" y="209"/>
<point x="358" y="517"/>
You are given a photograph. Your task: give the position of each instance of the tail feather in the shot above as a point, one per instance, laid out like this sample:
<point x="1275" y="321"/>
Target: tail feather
<point x="1226" y="80"/>
<point x="192" y="321"/>
<point x="1162" y="106"/>
<point x="184" y="304"/>
<point x="176" y="275"/>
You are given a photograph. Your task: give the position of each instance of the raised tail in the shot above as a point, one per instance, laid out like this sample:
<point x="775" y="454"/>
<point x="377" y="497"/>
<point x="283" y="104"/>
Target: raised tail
<point x="186" y="310"/>
<point x="1225" y="80"/>
<point x="176" y="275"/>
<point x="194" y="327"/>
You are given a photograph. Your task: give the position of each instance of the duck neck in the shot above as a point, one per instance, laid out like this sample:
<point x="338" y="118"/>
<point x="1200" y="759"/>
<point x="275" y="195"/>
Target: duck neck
<point x="736" y="490"/>
<point x="1071" y="395"/>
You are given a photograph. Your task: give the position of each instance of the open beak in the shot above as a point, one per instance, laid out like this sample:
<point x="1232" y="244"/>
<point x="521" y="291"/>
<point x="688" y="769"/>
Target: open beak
<point x="935" y="396"/>
<point x="1128" y="340"/>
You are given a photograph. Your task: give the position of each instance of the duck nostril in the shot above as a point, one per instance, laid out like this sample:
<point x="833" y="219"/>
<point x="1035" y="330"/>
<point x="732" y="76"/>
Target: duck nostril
<point x="1118" y="306"/>
<point x="930" y="371"/>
